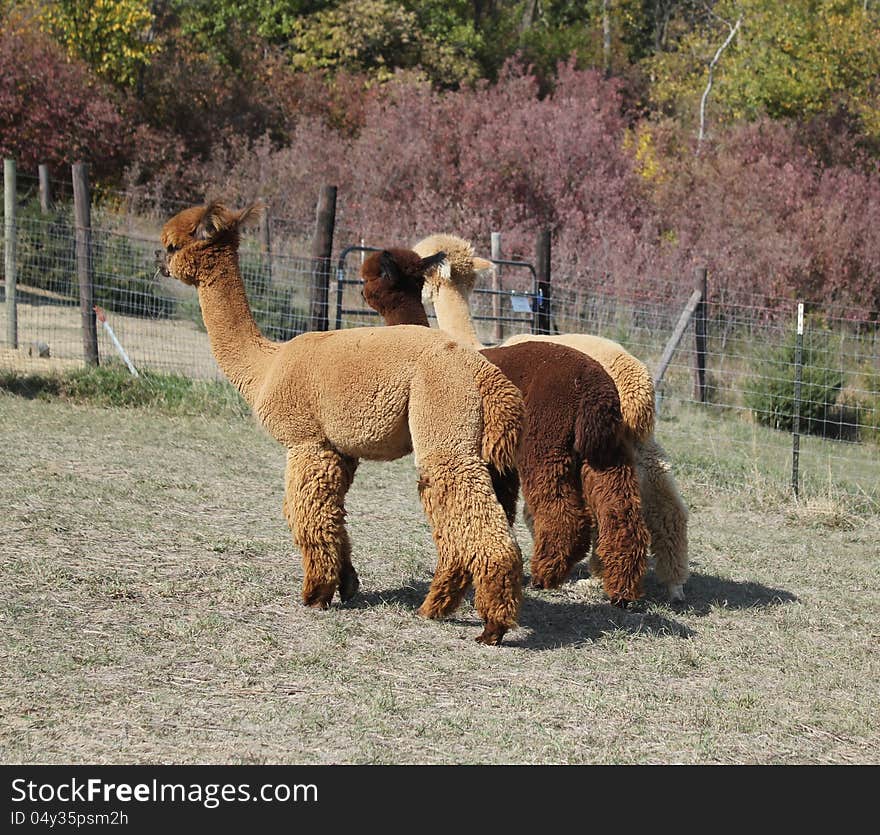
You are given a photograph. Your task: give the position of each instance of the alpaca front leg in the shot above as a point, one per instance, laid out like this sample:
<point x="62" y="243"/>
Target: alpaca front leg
<point x="666" y="517"/>
<point x="317" y="479"/>
<point x="349" y="582"/>
<point x="447" y="588"/>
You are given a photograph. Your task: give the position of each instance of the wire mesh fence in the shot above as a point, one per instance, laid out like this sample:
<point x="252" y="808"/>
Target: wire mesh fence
<point x="736" y="429"/>
<point x="740" y="426"/>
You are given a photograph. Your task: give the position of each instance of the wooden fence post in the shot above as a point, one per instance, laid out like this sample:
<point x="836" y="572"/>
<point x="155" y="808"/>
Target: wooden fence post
<point x="322" y="248"/>
<point x="266" y="241"/>
<point x="672" y="344"/>
<point x="9" y="200"/>
<point x="45" y="190"/>
<point x="498" y="329"/>
<point x="83" y="221"/>
<point x="541" y="321"/>
<point x="700" y="334"/>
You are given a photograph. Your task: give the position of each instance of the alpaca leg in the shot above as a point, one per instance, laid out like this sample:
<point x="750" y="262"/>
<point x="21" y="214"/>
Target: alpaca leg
<point x="349" y="582"/>
<point x="596" y="567"/>
<point x="506" y="486"/>
<point x="622" y="541"/>
<point x="552" y="491"/>
<point x="666" y="517"/>
<point x="447" y="588"/>
<point x="529" y="519"/>
<point x="317" y="479"/>
<point x="473" y="543"/>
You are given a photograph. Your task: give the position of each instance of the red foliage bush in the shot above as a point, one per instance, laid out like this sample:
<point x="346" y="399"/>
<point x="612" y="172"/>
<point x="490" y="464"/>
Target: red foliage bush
<point x="52" y="109"/>
<point x="770" y="218"/>
<point x="469" y="161"/>
<point x="773" y="224"/>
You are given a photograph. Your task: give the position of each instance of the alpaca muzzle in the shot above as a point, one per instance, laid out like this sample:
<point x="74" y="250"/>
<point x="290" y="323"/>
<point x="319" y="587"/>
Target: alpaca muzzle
<point x="161" y="264"/>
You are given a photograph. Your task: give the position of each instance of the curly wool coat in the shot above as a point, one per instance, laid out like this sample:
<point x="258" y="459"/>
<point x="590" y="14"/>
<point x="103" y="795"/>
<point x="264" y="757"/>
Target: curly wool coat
<point x="665" y="512"/>
<point x="376" y="393"/>
<point x="574" y="461"/>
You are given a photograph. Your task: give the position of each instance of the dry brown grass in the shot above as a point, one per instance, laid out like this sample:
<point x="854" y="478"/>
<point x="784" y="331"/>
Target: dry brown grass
<point x="150" y="613"/>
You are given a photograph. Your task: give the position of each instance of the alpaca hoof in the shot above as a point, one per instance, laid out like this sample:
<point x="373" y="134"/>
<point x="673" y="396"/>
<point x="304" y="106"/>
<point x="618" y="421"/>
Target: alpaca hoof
<point x="621" y="603"/>
<point x="427" y="612"/>
<point x="676" y="592"/>
<point x="491" y="635"/>
<point x="319" y="597"/>
<point x="348" y="585"/>
<point x="549" y="580"/>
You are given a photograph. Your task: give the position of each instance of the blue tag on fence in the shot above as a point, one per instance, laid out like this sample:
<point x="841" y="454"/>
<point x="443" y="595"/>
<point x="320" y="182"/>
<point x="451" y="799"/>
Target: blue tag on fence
<point x="521" y="304"/>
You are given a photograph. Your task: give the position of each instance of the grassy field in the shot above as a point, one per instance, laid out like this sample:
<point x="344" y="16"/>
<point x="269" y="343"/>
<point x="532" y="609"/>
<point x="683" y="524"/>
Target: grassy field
<point x="150" y="613"/>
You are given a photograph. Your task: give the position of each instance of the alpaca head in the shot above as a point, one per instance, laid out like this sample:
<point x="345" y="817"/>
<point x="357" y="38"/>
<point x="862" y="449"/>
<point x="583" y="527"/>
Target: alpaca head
<point x="193" y="233"/>
<point x="393" y="280"/>
<point x="464" y="266"/>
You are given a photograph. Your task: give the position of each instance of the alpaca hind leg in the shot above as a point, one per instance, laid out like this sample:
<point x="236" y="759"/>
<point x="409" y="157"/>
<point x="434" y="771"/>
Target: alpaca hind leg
<point x="317" y="479"/>
<point x="473" y="543"/>
<point x="552" y="492"/>
<point x="622" y="540"/>
<point x="506" y="486"/>
<point x="666" y="517"/>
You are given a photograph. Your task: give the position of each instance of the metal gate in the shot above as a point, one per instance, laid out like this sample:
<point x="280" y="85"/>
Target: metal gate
<point x="522" y="308"/>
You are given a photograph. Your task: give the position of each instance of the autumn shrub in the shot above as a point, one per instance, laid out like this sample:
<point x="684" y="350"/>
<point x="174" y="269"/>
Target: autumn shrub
<point x="471" y="161"/>
<point x="632" y="207"/>
<point x="53" y="110"/>
<point x="773" y="224"/>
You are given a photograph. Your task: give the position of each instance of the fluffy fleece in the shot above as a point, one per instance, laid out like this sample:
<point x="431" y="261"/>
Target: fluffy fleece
<point x="574" y="462"/>
<point x="376" y="393"/>
<point x="665" y="512"/>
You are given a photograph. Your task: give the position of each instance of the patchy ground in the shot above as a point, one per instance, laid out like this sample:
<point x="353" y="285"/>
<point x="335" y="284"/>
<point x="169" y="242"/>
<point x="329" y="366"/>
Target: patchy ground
<point x="150" y="612"/>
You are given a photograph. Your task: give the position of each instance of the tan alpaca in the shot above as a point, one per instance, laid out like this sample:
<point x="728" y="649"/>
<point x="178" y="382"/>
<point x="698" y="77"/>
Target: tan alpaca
<point x="376" y="393"/>
<point x="449" y="289"/>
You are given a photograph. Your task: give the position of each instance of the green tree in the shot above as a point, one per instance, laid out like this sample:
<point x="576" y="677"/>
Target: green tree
<point x="219" y="29"/>
<point x="113" y="36"/>
<point x="379" y="36"/>
<point x="795" y="59"/>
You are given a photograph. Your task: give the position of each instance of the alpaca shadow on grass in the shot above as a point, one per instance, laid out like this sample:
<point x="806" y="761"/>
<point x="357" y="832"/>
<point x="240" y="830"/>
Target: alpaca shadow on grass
<point x="551" y="620"/>
<point x="547" y="620"/>
<point x="705" y="592"/>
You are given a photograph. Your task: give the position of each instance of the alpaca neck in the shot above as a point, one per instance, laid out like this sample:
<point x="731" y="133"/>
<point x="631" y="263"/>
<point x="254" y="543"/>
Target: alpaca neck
<point x="241" y="351"/>
<point x="409" y="311"/>
<point x="454" y="315"/>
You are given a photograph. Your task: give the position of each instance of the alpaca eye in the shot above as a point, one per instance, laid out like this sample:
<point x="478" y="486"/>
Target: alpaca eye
<point x="171" y="249"/>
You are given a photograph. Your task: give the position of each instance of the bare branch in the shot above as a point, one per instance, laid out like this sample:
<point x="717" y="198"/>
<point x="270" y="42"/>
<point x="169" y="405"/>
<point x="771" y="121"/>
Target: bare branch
<point x="712" y="63"/>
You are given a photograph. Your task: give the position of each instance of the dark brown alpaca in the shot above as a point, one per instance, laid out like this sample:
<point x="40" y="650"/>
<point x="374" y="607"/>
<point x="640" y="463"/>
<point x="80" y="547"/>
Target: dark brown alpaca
<point x="575" y="464"/>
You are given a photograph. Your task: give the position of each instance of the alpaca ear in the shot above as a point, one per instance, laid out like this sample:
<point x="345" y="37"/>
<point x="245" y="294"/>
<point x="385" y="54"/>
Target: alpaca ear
<point x="388" y="267"/>
<point x="432" y="261"/>
<point x="249" y="215"/>
<point x="213" y="220"/>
